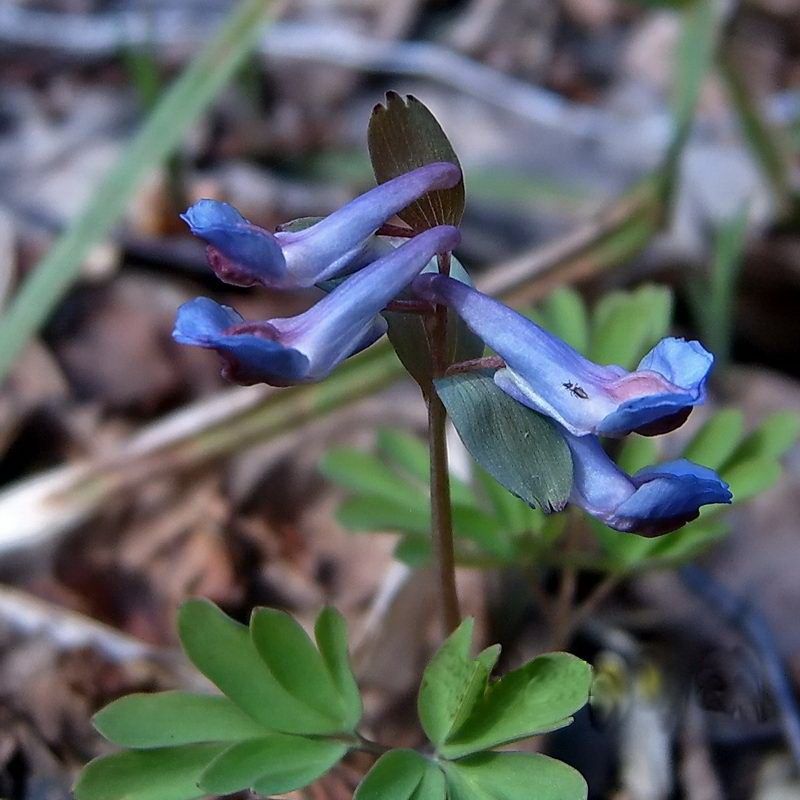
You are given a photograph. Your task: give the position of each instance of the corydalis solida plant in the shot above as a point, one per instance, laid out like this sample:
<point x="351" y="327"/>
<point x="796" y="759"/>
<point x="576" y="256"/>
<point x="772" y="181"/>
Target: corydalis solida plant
<point x="289" y="708"/>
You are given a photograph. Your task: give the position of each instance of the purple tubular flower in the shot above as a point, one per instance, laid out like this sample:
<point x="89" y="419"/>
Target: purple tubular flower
<point x="306" y="348"/>
<point x="547" y="375"/>
<point x="243" y="254"/>
<point x="655" y="500"/>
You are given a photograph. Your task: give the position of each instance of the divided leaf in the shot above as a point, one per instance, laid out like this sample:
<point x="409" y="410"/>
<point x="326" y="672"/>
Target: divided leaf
<point x="271" y="765"/>
<point x="295" y="662"/>
<point x="402" y="136"/>
<point x="521" y="449"/>
<point x="402" y="775"/>
<point x="717" y="439"/>
<point x="538" y="697"/>
<point x="513" y="776"/>
<point x="222" y="650"/>
<point x="172" y="718"/>
<point x="452" y="683"/>
<point x="330" y="632"/>
<point x="168" y="773"/>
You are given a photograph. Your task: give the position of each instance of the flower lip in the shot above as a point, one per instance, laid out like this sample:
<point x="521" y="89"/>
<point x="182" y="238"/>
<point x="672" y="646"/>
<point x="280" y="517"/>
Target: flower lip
<point x="655" y="500"/>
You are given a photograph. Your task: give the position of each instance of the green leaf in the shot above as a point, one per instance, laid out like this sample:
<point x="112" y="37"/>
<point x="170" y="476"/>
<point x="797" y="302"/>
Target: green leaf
<point x="222" y="650"/>
<point x="510" y="511"/>
<point x="407" y="334"/>
<point x="625" y="549"/>
<point x="176" y="113"/>
<point x="414" y="551"/>
<point x="411" y="454"/>
<point x="402" y="136"/>
<point x="483" y="529"/>
<point x="366" y="474"/>
<point x="402" y="775"/>
<point x="513" y="776"/>
<point x="171" y="718"/>
<point x="271" y="765"/>
<point x="538" y="697"/>
<point x="169" y="773"/>
<point x="294" y="662"/>
<point x="637" y="452"/>
<point x="716" y="441"/>
<point x="625" y="325"/>
<point x="369" y="514"/>
<point x="521" y="449"/>
<point x="750" y="478"/>
<point x="563" y="313"/>
<point x="776" y="434"/>
<point x="452" y="683"/>
<point x="330" y="632"/>
<point x="687" y="542"/>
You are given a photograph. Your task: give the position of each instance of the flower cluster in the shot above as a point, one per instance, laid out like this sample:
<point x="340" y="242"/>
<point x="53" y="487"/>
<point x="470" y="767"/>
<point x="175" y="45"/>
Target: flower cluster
<point x="542" y="372"/>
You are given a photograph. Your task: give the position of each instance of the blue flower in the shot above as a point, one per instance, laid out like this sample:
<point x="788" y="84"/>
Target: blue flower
<point x="655" y="500"/>
<point x="306" y="348"/>
<point x="547" y="375"/>
<point x="243" y="254"/>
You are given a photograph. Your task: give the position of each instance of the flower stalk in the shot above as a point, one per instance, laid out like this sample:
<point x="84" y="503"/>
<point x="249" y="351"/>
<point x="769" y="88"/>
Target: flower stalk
<point x="441" y="509"/>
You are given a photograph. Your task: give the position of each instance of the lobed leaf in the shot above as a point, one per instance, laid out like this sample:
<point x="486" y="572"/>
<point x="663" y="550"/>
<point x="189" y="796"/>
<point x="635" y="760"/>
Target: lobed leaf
<point x="564" y="313"/>
<point x="222" y="650"/>
<point x="521" y="449"/>
<point x="271" y="765"/>
<point x="749" y="478"/>
<point x="330" y="631"/>
<point x="402" y="775"/>
<point x="295" y="662"/>
<point x="541" y="696"/>
<point x="452" y="683"/>
<point x="513" y="776"/>
<point x="162" y="719"/>
<point x="169" y="773"/>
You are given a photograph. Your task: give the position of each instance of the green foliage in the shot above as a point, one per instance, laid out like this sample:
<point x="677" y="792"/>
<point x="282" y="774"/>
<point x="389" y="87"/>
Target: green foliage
<point x="402" y="136"/>
<point x="390" y="494"/>
<point x="287" y="713"/>
<point x="465" y="714"/>
<point x="520" y="449"/>
<point x="289" y="710"/>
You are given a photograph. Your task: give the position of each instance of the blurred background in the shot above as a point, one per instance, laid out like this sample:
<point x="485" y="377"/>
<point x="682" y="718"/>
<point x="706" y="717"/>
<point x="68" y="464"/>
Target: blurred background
<point x="132" y="476"/>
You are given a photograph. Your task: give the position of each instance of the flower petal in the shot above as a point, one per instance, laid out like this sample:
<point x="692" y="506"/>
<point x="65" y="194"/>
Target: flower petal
<point x="239" y="252"/>
<point x="547" y="375"/>
<point x="248" y="355"/>
<point x="345" y="319"/>
<point x="326" y="248"/>
<point x="655" y="500"/>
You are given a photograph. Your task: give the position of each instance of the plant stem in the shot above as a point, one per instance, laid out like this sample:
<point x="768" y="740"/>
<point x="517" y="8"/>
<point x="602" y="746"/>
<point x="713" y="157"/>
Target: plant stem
<point x="441" y="510"/>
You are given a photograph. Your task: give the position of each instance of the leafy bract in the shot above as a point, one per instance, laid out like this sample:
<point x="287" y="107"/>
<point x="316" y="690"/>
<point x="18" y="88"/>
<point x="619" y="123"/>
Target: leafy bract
<point x="271" y="765"/>
<point x="513" y="776"/>
<point x="402" y="136"/>
<point x="402" y="775"/>
<point x="521" y="449"/>
<point x="168" y="773"/>
<point x="174" y="718"/>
